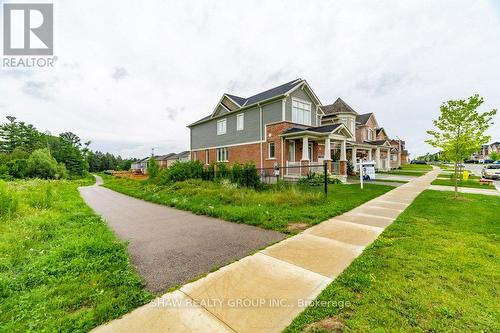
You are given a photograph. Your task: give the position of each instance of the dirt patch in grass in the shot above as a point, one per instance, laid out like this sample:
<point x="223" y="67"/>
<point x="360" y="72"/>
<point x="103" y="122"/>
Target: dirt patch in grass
<point x="330" y="324"/>
<point x="297" y="227"/>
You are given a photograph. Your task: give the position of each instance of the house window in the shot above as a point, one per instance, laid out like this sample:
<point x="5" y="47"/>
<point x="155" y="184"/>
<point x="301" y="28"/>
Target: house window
<point x="301" y="112"/>
<point x="240" y="122"/>
<point x="353" y="125"/>
<point x="207" y="157"/>
<point x="272" y="150"/>
<point x="343" y="120"/>
<point x="370" y="135"/>
<point x="221" y="127"/>
<point x="195" y="155"/>
<point x="222" y="155"/>
<point x="310" y="148"/>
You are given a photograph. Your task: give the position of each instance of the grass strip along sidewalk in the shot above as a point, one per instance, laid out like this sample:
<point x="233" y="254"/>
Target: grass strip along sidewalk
<point x="61" y="268"/>
<point x="434" y="269"/>
<point x="277" y="208"/>
<point x="472" y="183"/>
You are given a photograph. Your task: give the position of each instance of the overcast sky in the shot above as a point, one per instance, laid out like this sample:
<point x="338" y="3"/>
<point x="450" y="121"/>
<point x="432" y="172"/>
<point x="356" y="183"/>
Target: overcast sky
<point x="131" y="75"/>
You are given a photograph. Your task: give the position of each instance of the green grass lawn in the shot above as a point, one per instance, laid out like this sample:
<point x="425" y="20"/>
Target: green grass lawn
<point x="435" y="269"/>
<point x="474" y="183"/>
<point x="450" y="176"/>
<point x="61" y="268"/>
<point x="278" y="209"/>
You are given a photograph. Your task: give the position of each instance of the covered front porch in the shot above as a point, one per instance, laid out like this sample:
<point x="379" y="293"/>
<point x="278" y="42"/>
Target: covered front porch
<point x="376" y="151"/>
<point x="310" y="149"/>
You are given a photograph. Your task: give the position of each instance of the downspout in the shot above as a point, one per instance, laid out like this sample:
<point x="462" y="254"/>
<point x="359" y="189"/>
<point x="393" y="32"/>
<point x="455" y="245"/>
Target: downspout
<point x="260" y="130"/>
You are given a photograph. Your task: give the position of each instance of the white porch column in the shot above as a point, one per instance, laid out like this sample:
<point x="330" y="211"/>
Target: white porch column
<point x="388" y="163"/>
<point x="377" y="158"/>
<point x="343" y="155"/>
<point x="305" y="148"/>
<point x="328" y="154"/>
<point x="369" y="154"/>
<point x="353" y="158"/>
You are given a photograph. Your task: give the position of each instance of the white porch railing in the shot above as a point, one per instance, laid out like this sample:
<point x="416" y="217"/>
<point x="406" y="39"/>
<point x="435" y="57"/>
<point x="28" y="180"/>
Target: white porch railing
<point x="296" y="169"/>
<point x="335" y="168"/>
<point x="293" y="168"/>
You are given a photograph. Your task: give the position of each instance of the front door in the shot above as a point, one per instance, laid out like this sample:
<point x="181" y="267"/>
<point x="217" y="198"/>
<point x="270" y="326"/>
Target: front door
<point x="291" y="151"/>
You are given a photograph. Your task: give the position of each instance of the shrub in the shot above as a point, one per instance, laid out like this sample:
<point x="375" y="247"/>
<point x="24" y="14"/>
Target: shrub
<point x="238" y="174"/>
<point x="350" y="168"/>
<point x="42" y="165"/>
<point x="153" y="167"/>
<point x="252" y="178"/>
<point x="61" y="173"/>
<point x="8" y="201"/>
<point x="17" y="168"/>
<point x="223" y="170"/>
<point x="180" y="171"/>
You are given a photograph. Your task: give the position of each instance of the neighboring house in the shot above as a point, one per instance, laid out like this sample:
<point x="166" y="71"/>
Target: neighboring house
<point x="163" y="160"/>
<point x="400" y="154"/>
<point x="185" y="156"/>
<point x="486" y="150"/>
<point x="140" y="165"/>
<point x="288" y="126"/>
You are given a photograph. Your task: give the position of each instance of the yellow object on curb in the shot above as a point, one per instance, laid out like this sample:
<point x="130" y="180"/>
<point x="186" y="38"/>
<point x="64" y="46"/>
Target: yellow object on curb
<point x="465" y="175"/>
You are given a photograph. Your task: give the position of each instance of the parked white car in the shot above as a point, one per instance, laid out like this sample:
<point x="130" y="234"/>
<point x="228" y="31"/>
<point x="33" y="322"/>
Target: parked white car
<point x="491" y="171"/>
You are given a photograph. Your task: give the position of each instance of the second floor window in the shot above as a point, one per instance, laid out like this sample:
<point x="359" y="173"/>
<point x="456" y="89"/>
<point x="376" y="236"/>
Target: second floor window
<point x="301" y="112"/>
<point x="240" y="122"/>
<point x="370" y="135"/>
<point x="222" y="155"/>
<point x="221" y="126"/>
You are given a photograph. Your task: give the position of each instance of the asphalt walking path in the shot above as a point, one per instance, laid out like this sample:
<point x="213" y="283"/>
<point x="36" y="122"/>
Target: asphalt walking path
<point x="169" y="247"/>
<point x="265" y="291"/>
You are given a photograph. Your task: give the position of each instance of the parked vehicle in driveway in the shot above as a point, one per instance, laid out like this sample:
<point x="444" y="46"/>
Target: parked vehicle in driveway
<point x="418" y="162"/>
<point x="491" y="171"/>
<point x="488" y="161"/>
<point x="497" y="162"/>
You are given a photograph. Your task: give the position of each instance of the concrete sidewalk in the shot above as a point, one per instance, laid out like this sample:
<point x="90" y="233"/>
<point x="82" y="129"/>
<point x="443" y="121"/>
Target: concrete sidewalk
<point x="266" y="291"/>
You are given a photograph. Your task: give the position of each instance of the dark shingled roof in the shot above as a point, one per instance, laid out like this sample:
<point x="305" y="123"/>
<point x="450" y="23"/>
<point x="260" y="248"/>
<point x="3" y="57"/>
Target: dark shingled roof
<point x="237" y="99"/>
<point x="319" y="129"/>
<point x="339" y="106"/>
<point x="276" y="91"/>
<point x="378" y="142"/>
<point x="363" y="118"/>
<point x="165" y="157"/>
<point x="273" y="92"/>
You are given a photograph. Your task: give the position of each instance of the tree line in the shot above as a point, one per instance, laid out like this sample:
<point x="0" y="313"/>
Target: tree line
<point x="27" y="152"/>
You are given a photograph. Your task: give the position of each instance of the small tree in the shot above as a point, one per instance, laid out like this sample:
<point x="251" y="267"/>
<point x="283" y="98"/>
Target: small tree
<point x="42" y="165"/>
<point x="153" y="167"/>
<point x="460" y="130"/>
<point x="494" y="156"/>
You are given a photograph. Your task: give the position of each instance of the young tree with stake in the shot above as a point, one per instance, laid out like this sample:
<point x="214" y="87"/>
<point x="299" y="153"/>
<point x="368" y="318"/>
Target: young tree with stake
<point x="460" y="130"/>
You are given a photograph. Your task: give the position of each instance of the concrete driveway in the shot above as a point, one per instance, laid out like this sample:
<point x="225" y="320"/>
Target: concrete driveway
<point x="169" y="247"/>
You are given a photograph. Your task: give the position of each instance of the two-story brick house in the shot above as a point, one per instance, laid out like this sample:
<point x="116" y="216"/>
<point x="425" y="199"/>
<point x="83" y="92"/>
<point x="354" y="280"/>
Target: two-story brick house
<point x="272" y="128"/>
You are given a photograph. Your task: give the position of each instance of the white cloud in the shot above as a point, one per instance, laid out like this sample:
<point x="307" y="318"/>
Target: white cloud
<point x="131" y="75"/>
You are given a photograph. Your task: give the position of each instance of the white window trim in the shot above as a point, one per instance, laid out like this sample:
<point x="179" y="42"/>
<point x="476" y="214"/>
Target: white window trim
<point x="269" y="151"/>
<point x="225" y="126"/>
<point x="242" y="116"/>
<point x="219" y="150"/>
<point x="310" y="110"/>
